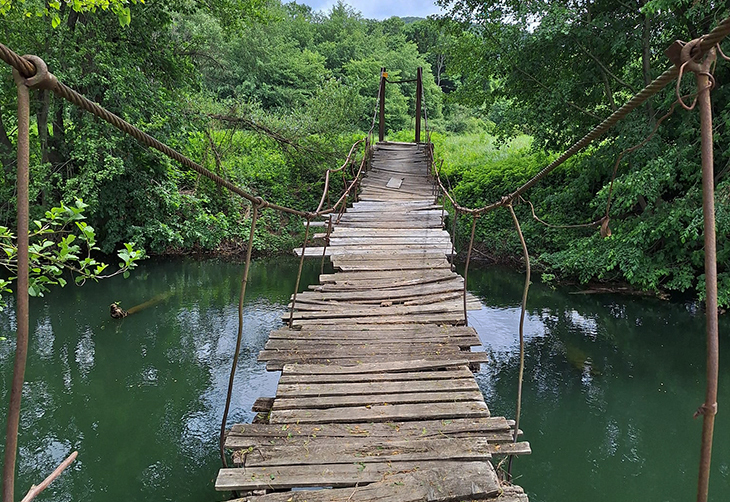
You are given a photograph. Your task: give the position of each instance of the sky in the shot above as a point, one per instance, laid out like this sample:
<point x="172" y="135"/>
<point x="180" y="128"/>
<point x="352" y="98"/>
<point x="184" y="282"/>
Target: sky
<point x="381" y="9"/>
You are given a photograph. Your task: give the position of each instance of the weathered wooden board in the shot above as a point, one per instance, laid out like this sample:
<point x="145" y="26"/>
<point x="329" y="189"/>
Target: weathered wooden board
<point x="386" y="367"/>
<point x="355" y="352"/>
<point x="283" y="403"/>
<point x="460" y="372"/>
<point x="395" y="310"/>
<point x="353" y="388"/>
<point x="403" y="430"/>
<point x="439" y="484"/>
<point x="472" y="358"/>
<point x="367" y="451"/>
<point x="377" y="332"/>
<point x="381" y="398"/>
<point x="394" y="182"/>
<point x="444" y="318"/>
<point x="358" y="345"/>
<point x="379" y="413"/>
<point x="335" y="475"/>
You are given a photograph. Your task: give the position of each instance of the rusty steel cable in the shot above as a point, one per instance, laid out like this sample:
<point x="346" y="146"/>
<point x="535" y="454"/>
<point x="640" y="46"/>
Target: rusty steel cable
<point x="326" y="243"/>
<point x="468" y="260"/>
<point x="239" y="335"/>
<point x="299" y="274"/>
<point x="325" y="192"/>
<point x="523" y="310"/>
<point x="22" y="308"/>
<point x="709" y="408"/>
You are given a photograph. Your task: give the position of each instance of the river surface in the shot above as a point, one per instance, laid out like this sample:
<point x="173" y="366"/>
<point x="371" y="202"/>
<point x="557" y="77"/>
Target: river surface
<point x="611" y="384"/>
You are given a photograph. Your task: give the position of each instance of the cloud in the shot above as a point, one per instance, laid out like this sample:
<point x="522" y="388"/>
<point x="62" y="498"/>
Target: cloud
<point x="381" y="9"/>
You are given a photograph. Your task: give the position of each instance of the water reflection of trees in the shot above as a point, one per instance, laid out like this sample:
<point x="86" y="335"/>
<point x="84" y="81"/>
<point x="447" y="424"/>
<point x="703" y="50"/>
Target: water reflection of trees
<point x="610" y="386"/>
<point x="141" y="398"/>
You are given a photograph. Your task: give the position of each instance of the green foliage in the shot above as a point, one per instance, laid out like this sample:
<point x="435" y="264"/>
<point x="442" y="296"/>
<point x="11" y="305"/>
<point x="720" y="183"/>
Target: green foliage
<point x="61" y="243"/>
<point x="53" y="9"/>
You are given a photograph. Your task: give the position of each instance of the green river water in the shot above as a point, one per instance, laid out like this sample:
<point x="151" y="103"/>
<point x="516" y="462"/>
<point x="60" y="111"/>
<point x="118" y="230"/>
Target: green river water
<point x="611" y="383"/>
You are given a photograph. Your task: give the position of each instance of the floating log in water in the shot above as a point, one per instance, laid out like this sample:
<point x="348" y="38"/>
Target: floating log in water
<point x="118" y="313"/>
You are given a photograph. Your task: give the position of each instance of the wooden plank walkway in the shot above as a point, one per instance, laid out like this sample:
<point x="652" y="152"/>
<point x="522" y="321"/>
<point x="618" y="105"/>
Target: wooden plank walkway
<point x="377" y="400"/>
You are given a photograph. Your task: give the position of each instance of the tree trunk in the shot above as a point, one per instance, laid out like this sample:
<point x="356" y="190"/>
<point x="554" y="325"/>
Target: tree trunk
<point x="42" y="118"/>
<point x="6" y="147"/>
<point x="646" y="64"/>
<point x="57" y="141"/>
<point x="609" y="92"/>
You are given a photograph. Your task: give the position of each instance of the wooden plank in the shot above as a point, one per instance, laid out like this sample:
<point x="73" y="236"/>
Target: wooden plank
<point x="283" y="403"/>
<point x="366" y="451"/>
<point x="389" y="367"/>
<point x="308" y="344"/>
<point x="344" y="389"/>
<point x="394" y="182"/>
<point x="243" y="442"/>
<point x="419" y="429"/>
<point x="442" y="318"/>
<point x="354" y="325"/>
<point x="347" y="336"/>
<point x="335" y="475"/>
<point x="430" y="411"/>
<point x="392" y="293"/>
<point x="438" y="484"/>
<point x="438" y="241"/>
<point x="396" y="310"/>
<point x="521" y="448"/>
<point x="376" y="277"/>
<point x="472" y="358"/>
<point x="263" y="404"/>
<point x="353" y="352"/>
<point x="357" y="345"/>
<point x="460" y="372"/>
<point x="344" y="332"/>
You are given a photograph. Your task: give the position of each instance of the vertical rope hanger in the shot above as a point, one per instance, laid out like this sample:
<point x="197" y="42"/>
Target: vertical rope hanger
<point x="299" y="274"/>
<point x="239" y="336"/>
<point x="522" y="333"/>
<point x="468" y="259"/>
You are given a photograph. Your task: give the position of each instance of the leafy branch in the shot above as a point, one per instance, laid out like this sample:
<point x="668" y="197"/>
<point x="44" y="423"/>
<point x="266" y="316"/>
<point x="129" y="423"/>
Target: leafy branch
<point x="61" y="242"/>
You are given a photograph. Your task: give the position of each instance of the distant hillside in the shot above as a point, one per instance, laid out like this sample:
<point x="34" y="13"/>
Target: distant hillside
<point x="411" y="19"/>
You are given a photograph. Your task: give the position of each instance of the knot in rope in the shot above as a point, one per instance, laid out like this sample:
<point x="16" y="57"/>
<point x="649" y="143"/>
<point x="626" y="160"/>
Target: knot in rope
<point x="260" y="203"/>
<point x="41" y="79"/>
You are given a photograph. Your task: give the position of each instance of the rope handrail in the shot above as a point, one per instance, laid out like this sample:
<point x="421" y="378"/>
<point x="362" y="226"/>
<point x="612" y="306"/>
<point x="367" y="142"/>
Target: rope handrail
<point x="32" y="73"/>
<point x="706" y="43"/>
<point x="37" y="76"/>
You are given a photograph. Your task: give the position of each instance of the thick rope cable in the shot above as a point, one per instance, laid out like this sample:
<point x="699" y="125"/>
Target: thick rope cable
<point x="239" y="335"/>
<point x="705" y="43"/>
<point x="523" y="309"/>
<point x="35" y="70"/>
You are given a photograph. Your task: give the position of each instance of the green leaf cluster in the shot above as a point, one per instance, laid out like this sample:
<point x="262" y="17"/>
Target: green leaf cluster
<point x="61" y="246"/>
